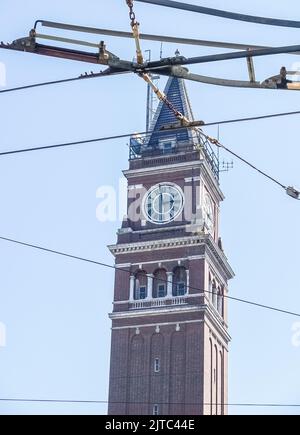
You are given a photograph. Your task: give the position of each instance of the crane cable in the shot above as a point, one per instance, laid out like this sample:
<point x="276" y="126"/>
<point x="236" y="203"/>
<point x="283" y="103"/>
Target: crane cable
<point x="135" y="25"/>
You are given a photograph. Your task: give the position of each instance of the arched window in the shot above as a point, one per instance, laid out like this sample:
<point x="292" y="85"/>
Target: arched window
<point x="155" y="409"/>
<point x="217" y="379"/>
<point x="179" y="282"/>
<point x="156" y="365"/>
<point x="211" y="377"/>
<point x="140" y="292"/>
<point x="214" y="294"/>
<point x="210" y="294"/>
<point x="220" y="301"/>
<point x="160" y="284"/>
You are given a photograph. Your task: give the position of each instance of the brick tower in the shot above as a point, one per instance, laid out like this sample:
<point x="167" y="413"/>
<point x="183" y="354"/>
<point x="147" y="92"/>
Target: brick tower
<point x="169" y="323"/>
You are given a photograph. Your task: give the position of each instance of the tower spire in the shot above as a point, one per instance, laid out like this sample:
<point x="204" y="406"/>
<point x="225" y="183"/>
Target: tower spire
<point x="176" y="93"/>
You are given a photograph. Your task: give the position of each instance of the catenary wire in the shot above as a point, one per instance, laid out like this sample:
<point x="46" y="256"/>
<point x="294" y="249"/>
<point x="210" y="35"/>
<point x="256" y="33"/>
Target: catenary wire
<point x="256" y="405"/>
<point x="167" y="63"/>
<point x="56" y="82"/>
<point x="86" y="260"/>
<point x="254" y="118"/>
<point x="223" y="14"/>
<point x="36" y="85"/>
<point x="264" y="174"/>
<point x="69" y="144"/>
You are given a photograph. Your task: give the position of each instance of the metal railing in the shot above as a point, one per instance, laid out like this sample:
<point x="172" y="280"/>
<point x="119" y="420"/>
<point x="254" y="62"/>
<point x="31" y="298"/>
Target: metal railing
<point x="140" y="150"/>
<point x="155" y="303"/>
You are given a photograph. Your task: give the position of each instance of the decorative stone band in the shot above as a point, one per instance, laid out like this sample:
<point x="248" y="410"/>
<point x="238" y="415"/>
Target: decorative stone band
<point x="189" y="241"/>
<point x="154" y="315"/>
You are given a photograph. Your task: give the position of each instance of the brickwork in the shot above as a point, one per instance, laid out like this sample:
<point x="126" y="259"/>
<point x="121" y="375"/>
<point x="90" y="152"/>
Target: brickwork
<point x="169" y="349"/>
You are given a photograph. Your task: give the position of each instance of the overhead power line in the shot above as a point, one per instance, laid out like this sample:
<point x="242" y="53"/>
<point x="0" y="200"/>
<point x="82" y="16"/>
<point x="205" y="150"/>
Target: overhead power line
<point x="224" y="14"/>
<point x="252" y="166"/>
<point x="254" y="118"/>
<point x="86" y="260"/>
<point x="289" y="190"/>
<point x="36" y="85"/>
<point x="56" y="82"/>
<point x="66" y="144"/>
<point x="91" y="402"/>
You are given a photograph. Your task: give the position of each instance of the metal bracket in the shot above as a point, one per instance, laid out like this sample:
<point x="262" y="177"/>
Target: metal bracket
<point x="22" y="44"/>
<point x="251" y="69"/>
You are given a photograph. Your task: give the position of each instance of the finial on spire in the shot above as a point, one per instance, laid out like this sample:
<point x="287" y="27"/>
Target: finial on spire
<point x="177" y="53"/>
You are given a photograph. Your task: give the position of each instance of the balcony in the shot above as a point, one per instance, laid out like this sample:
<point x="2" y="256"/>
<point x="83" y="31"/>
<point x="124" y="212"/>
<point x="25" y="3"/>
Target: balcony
<point x="156" y="303"/>
<point x="141" y="155"/>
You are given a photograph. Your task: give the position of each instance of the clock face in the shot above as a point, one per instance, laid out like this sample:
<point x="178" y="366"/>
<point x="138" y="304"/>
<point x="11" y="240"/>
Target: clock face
<point x="209" y="216"/>
<point x="163" y="203"/>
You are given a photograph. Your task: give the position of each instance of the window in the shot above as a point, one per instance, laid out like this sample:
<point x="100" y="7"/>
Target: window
<point x="220" y="302"/>
<point x="156" y="365"/>
<point x="159" y="284"/>
<point x="155" y="410"/>
<point x="161" y="290"/>
<point x="142" y="292"/>
<point x="180" y="282"/>
<point x="210" y="289"/>
<point x="167" y="145"/>
<point x="214" y="295"/>
<point x="180" y="289"/>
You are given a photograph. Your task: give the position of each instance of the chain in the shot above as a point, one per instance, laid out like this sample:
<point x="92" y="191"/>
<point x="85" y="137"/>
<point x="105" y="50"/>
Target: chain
<point x="140" y="60"/>
<point x="132" y="15"/>
<point x="136" y="32"/>
<point x="173" y="109"/>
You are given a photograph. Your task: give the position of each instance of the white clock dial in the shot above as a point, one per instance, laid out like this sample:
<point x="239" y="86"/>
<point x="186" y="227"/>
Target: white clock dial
<point x="163" y="203"/>
<point x="209" y="215"/>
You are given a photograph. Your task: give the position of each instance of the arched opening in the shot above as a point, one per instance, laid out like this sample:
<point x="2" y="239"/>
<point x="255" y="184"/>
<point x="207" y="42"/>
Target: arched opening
<point x="160" y="283"/>
<point x="220" y="301"/>
<point x="179" y="281"/>
<point x="214" y="294"/>
<point x="140" y="291"/>
<point x="211" y="377"/>
<point x="210" y="288"/>
<point x="222" y="398"/>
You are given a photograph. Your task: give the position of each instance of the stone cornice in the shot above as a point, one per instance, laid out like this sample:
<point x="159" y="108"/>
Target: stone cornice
<point x="165" y="311"/>
<point x="173" y="243"/>
<point x="157" y="311"/>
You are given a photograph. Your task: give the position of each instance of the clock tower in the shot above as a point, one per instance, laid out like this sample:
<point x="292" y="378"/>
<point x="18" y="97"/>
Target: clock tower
<point x="169" y="322"/>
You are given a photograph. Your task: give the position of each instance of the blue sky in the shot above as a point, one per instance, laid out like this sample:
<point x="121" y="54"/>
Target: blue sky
<point x="56" y="309"/>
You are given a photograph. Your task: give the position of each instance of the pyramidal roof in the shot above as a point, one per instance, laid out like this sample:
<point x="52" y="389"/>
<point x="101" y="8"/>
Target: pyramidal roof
<point x="177" y="94"/>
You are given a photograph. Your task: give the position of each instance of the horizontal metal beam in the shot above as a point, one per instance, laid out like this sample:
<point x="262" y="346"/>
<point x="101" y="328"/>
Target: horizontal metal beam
<point x="223" y="14"/>
<point x="150" y="37"/>
<point x="29" y="45"/>
<point x="185" y="74"/>
<point x="67" y="40"/>
<point x="267" y="84"/>
<point x="180" y="60"/>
